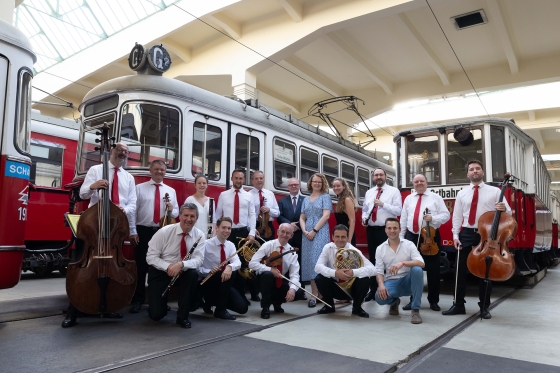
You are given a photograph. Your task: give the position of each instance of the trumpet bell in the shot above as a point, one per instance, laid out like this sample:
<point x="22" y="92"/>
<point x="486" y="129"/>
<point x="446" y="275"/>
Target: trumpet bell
<point x="246" y="273"/>
<point x="348" y="259"/>
<point x="248" y="249"/>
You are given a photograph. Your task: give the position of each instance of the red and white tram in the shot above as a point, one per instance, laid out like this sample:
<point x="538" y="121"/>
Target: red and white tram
<point x="441" y="151"/>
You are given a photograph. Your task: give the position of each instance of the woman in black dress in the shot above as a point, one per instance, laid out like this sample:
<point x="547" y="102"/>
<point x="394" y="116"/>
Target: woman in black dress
<point x="346" y="207"/>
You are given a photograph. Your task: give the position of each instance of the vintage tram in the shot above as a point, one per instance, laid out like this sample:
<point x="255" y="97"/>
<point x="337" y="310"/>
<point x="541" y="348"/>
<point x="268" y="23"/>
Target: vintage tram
<point x="440" y="152"/>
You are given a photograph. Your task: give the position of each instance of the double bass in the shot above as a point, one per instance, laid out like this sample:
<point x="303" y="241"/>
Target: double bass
<point x="491" y="259"/>
<point x="102" y="280"/>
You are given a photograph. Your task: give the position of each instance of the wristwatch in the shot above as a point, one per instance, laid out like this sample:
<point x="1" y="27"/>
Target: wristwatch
<point x="315" y="230"/>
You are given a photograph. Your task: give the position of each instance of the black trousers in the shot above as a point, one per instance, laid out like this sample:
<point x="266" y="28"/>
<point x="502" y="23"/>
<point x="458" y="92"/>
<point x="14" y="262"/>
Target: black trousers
<point x="223" y="295"/>
<point x="470" y="239"/>
<point x="271" y="295"/>
<point x="431" y="266"/>
<point x="145" y="234"/>
<point x="158" y="282"/>
<point x="269" y="238"/>
<point x="240" y="282"/>
<point x="329" y="290"/>
<point x="375" y="237"/>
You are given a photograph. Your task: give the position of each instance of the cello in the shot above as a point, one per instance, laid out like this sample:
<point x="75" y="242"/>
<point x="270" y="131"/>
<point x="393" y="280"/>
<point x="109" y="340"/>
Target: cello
<point x="102" y="281"/>
<point x="491" y="259"/>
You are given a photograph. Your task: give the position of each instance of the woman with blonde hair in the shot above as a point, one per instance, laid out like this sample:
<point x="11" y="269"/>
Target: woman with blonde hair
<point x="314" y="222"/>
<point x="345" y="211"/>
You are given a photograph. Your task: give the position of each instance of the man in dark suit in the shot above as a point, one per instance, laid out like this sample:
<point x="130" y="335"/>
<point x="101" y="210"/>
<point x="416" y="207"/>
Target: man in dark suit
<point x="290" y="210"/>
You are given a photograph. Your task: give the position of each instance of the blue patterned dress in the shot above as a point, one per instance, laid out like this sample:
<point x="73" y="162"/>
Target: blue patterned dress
<point x="310" y="250"/>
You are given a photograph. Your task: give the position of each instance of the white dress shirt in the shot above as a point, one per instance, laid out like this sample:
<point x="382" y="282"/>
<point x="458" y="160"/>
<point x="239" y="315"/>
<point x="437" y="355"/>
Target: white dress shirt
<point x="203" y="211"/>
<point x="164" y="248"/>
<point x="127" y="187"/>
<point x="392" y="205"/>
<point x="289" y="261"/>
<point x="326" y="262"/>
<point x="269" y="201"/>
<point x="487" y="198"/>
<point x="145" y="194"/>
<point x="431" y="201"/>
<point x="212" y="251"/>
<point x="385" y="257"/>
<point x="247" y="217"/>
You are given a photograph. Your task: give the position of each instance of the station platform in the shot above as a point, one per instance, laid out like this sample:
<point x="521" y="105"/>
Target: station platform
<point x="520" y="337"/>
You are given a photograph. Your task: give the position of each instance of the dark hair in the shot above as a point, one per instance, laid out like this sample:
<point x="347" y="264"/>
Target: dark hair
<point x="222" y="219"/>
<point x="392" y="219"/>
<point x="189" y="206"/>
<point x="340" y="227"/>
<point x="237" y="170"/>
<point x="198" y="177"/>
<point x="474" y="161"/>
<point x="379" y="168"/>
<point x="158" y="161"/>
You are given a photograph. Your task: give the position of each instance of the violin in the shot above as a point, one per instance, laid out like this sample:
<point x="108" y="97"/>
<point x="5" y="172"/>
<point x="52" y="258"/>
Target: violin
<point x="264" y="229"/>
<point x="102" y="280"/>
<point x="428" y="246"/>
<point x="491" y="259"/>
<point x="275" y="258"/>
<point x="167" y="218"/>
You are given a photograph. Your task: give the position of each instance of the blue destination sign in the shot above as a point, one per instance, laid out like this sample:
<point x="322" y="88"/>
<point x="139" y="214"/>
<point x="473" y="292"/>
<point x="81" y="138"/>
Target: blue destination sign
<point x="19" y="170"/>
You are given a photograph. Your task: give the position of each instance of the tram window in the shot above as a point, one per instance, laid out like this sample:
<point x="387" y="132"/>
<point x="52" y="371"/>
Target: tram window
<point x="347" y="171"/>
<point x="46" y="168"/>
<point x="399" y="170"/>
<point x="330" y="170"/>
<point x="101" y="106"/>
<point x="389" y="181"/>
<point x="207" y="146"/>
<point x="498" y="148"/>
<point x="363" y="184"/>
<point x="309" y="165"/>
<point x="284" y="163"/>
<point x="459" y="153"/>
<point x="151" y="132"/>
<point x="423" y="158"/>
<point x="247" y="155"/>
<point x="88" y="155"/>
<point x="23" y="114"/>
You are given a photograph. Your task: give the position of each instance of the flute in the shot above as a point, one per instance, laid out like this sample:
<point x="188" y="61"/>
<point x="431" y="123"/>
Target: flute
<point x="220" y="266"/>
<point x="187" y="257"/>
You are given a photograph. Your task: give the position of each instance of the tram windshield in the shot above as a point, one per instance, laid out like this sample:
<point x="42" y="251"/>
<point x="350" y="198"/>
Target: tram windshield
<point x="88" y="155"/>
<point x="423" y="158"/>
<point x="23" y="121"/>
<point x="460" y="152"/>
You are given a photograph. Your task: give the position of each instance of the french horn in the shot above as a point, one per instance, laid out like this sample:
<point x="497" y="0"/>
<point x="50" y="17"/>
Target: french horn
<point x="348" y="259"/>
<point x="247" y="251"/>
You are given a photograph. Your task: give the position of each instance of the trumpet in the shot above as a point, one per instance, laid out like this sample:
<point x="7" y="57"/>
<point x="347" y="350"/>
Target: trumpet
<point x="348" y="259"/>
<point x="247" y="251"/>
<point x="187" y="257"/>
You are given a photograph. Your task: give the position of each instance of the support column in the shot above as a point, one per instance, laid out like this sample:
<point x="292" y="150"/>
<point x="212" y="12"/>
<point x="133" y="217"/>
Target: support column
<point x="244" y="85"/>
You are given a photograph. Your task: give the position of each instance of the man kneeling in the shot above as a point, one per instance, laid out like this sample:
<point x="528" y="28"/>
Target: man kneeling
<point x="402" y="264"/>
<point x="328" y="275"/>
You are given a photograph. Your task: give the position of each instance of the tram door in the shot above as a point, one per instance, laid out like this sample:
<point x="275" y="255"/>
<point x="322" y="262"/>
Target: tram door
<point x="247" y="151"/>
<point x="209" y="155"/>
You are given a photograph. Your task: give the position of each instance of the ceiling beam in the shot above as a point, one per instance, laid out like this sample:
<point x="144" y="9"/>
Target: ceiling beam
<point x="497" y="20"/>
<point x="287" y="102"/>
<point x="426" y="52"/>
<point x="293" y="8"/>
<point x="230" y="26"/>
<point x="532" y="115"/>
<point x="180" y="51"/>
<point x="342" y="47"/>
<point x="305" y="71"/>
<point x="536" y="135"/>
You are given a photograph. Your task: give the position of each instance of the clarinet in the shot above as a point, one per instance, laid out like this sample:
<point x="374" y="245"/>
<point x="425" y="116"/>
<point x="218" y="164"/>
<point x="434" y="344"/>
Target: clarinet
<point x="187" y="257"/>
<point x="374" y="207"/>
<point x="210" y="217"/>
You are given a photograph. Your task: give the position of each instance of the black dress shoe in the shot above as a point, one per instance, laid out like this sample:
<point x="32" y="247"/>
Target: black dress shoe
<point x="360" y="313"/>
<point x="434" y="307"/>
<point x="484" y="313"/>
<point x="112" y="315"/>
<point x="185" y="324"/>
<point x="407" y="307"/>
<point x="326" y="310"/>
<point x="278" y="308"/>
<point x="207" y="308"/>
<point x="455" y="310"/>
<point x="369" y="296"/>
<point x="255" y="298"/>
<point x="135" y="308"/>
<point x="224" y="315"/>
<point x="265" y="313"/>
<point x="69" y="321"/>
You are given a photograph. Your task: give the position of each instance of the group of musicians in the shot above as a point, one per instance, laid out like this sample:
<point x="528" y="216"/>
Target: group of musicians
<point x="206" y="265"/>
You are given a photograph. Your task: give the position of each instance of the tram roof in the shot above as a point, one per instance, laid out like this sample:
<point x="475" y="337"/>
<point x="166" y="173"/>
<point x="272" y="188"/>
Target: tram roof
<point x="15" y="37"/>
<point x="276" y="120"/>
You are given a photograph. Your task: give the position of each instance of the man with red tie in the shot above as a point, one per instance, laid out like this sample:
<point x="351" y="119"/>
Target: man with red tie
<point x="217" y="290"/>
<point x="472" y="201"/>
<point x="264" y="202"/>
<point x="276" y="290"/>
<point x="166" y="253"/>
<point x="413" y="218"/>
<point x="150" y="208"/>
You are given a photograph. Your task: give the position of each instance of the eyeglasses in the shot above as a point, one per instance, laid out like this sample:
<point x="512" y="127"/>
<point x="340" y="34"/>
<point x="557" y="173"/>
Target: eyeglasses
<point x="316" y="182"/>
<point x="122" y="151"/>
<point x="293" y="185"/>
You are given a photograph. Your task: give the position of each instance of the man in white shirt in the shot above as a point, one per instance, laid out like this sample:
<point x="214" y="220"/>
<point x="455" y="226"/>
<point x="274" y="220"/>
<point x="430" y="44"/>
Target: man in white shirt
<point x="274" y="289"/>
<point x="166" y="256"/>
<point x="237" y="204"/>
<point x="264" y="202"/>
<point x="150" y="208"/>
<point x="328" y="275"/>
<point x="217" y="290"/>
<point x="413" y="218"/>
<point x="380" y="202"/>
<point x="399" y="271"/>
<point x="471" y="203"/>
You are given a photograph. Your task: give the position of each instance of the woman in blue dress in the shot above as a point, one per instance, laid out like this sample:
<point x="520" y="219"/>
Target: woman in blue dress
<point x="314" y="222"/>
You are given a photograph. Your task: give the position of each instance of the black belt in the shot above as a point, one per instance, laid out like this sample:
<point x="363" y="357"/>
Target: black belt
<point x="146" y="227"/>
<point x="474" y="230"/>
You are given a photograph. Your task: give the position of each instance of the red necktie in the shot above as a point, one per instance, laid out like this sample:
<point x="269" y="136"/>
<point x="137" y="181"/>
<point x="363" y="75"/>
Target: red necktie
<point x="222" y="253"/>
<point x="474" y="203"/>
<point x="157" y="212"/>
<point x="279" y="268"/>
<point x="115" y="188"/>
<point x="417" y="214"/>
<point x="374" y="213"/>
<point x="236" y="208"/>
<point x="183" y="246"/>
